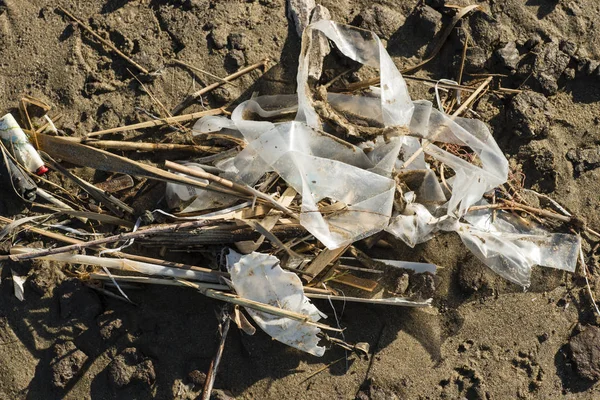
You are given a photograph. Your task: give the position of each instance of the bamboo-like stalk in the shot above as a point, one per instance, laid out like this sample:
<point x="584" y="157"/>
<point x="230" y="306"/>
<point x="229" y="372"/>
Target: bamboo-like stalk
<point x="245" y="189"/>
<point x="139" y="146"/>
<point x="111" y="239"/>
<point x="156" y="122"/>
<point x="122" y="264"/>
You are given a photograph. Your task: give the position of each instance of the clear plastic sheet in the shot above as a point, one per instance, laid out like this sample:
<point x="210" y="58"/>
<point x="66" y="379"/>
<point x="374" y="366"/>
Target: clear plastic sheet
<point x="320" y="166"/>
<point x="511" y="249"/>
<point x="189" y="198"/>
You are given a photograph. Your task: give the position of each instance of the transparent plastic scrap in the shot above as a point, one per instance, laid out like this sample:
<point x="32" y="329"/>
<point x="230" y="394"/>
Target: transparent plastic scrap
<point x="259" y="277"/>
<point x="320" y="166"/>
<point x="316" y="164"/>
<point x="510" y="249"/>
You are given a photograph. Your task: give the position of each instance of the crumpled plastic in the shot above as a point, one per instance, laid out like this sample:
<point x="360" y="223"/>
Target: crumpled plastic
<point x="259" y="277"/>
<point x="320" y="166"/>
<point x="511" y="250"/>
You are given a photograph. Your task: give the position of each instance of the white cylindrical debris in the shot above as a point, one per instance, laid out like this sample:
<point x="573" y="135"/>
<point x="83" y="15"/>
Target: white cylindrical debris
<point x="18" y="143"/>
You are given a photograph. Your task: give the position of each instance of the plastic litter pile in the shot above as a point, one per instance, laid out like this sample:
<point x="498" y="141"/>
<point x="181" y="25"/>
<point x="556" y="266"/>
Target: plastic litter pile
<point x="348" y="167"/>
<point x="363" y="179"/>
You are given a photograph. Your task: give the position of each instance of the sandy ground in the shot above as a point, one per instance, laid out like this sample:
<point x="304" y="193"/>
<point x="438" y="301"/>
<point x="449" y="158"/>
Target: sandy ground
<point x="484" y="338"/>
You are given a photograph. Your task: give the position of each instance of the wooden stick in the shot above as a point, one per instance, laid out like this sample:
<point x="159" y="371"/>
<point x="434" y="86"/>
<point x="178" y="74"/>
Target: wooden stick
<point x="139" y="146"/>
<point x="214" y="364"/>
<point x="104" y="41"/>
<point x="245" y="189"/>
<point x="191" y="98"/>
<point x="178" y="62"/>
<point x="325" y="258"/>
<point x="256" y="305"/>
<point x="157" y="122"/>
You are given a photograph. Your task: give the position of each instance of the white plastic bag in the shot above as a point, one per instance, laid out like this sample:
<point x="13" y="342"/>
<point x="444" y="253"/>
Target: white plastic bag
<point x="259" y="277"/>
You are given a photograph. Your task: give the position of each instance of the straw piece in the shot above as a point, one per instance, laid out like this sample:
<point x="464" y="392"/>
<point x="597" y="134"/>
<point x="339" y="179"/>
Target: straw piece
<point x="139" y="146"/>
<point x="157" y="122"/>
<point x="194" y="96"/>
<point x="255" y="305"/>
<point x="178" y="62"/>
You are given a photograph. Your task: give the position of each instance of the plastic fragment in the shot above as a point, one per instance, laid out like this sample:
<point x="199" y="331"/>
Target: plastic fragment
<point x="18" y="282"/>
<point x="259" y="277"/>
<point x="16" y="141"/>
<point x="299" y="12"/>
<point x="189" y="199"/>
<point x="512" y="250"/>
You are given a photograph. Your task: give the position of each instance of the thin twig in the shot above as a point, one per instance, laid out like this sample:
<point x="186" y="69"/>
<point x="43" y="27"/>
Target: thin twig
<point x="437" y="47"/>
<point x="214" y="364"/>
<point x="203" y="72"/>
<point x="157" y="122"/>
<point x="585" y="275"/>
<point x="142" y="146"/>
<point x="323" y="368"/>
<point x="463" y="87"/>
<point x="194" y="96"/>
<point x="463" y="57"/>
<point x="157" y="101"/>
<point x="104" y="41"/>
<point x="513" y="205"/>
<point x="244" y="189"/>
